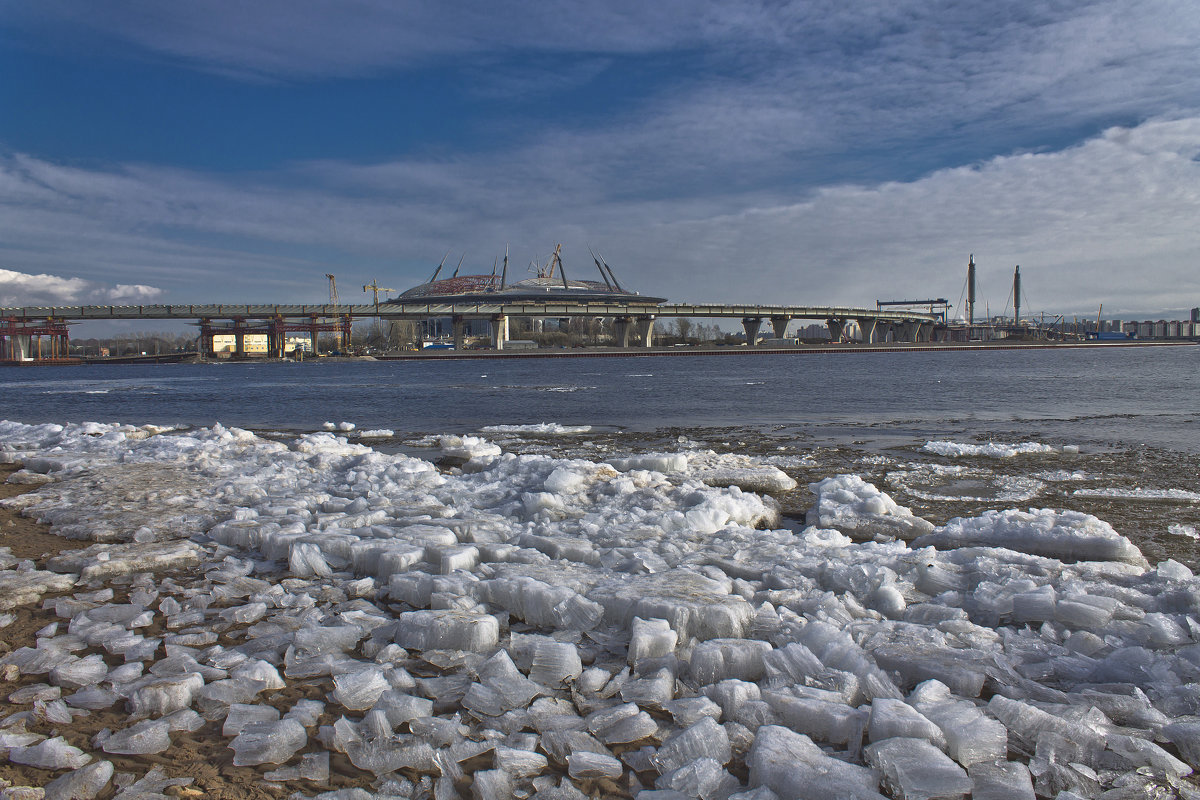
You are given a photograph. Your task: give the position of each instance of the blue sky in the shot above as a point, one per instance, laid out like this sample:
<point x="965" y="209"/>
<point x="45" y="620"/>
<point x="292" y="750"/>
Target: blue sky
<point x="809" y="153"/>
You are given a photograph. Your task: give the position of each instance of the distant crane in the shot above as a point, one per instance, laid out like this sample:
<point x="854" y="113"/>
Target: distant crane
<point x="374" y="288"/>
<point x="333" y="301"/>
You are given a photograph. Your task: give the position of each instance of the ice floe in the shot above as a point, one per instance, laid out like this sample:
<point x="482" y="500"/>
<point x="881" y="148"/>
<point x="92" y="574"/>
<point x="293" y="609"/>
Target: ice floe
<point x="991" y="449"/>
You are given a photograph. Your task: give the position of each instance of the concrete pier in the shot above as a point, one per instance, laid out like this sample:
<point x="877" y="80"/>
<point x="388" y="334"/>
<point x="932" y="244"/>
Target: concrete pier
<point x="751" y="326"/>
<point x="780" y="325"/>
<point x="644" y="331"/>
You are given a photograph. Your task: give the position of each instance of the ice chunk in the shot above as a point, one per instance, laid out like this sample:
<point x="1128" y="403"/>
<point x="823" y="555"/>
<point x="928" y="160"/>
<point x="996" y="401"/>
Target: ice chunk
<point x="22" y="588"/>
<point x="446" y="629"/>
<point x="593" y="765"/>
<point x="653" y="462"/>
<point x="50" y="754"/>
<point x="790" y="765"/>
<point x="718" y="659"/>
<point x="821" y="720"/>
<point x="84" y="783"/>
<point x="242" y="714"/>
<point x="400" y="707"/>
<point x="1000" y="780"/>
<point x="848" y="503"/>
<point x="103" y="561"/>
<point x="916" y="770"/>
<point x="268" y="742"/>
<point x="704" y="739"/>
<point x="703" y="778"/>
<point x="259" y="670"/>
<point x="306" y="560"/>
<point x="163" y="695"/>
<point x="989" y="450"/>
<point x="520" y="763"/>
<point x="312" y="767"/>
<point x="891" y="718"/>
<point x="555" y="664"/>
<point x="971" y="735"/>
<point x="142" y="738"/>
<point x="358" y="690"/>
<point x="1065" y="535"/>
<point x="650" y="638"/>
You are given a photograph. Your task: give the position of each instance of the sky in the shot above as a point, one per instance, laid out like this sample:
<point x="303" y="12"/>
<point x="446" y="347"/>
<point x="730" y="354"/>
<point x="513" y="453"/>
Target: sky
<point x="830" y="152"/>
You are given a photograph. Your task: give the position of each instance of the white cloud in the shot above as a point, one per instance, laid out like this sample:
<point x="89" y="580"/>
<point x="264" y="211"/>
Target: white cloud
<point x="23" y="289"/>
<point x="1111" y="220"/>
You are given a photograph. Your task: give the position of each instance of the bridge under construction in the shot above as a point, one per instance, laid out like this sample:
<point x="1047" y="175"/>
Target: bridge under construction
<point x="24" y="331"/>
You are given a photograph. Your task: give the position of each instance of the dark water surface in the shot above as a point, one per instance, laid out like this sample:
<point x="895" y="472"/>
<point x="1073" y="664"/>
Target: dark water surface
<point x="1131" y="395"/>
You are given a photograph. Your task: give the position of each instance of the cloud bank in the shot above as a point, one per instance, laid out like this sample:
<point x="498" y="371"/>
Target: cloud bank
<point x="1111" y="220"/>
<point x="21" y="289"/>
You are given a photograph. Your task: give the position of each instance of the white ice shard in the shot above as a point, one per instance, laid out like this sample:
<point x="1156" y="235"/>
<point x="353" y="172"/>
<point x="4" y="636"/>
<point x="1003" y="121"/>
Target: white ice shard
<point x="268" y="742"/>
<point x="916" y="770"/>
<point x="53" y="753"/>
<point x="791" y="766"/>
<point x="1064" y="535"/>
<point x="848" y="503"/>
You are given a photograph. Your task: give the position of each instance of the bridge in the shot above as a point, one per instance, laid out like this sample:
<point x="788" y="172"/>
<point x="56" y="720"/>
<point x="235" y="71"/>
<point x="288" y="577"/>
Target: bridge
<point x="633" y="323"/>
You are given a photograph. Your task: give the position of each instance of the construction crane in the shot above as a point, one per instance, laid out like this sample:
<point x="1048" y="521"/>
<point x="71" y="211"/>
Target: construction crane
<point x="374" y="288"/>
<point x="333" y="301"/>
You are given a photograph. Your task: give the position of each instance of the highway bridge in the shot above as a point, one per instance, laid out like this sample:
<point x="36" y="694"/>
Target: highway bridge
<point x="633" y="322"/>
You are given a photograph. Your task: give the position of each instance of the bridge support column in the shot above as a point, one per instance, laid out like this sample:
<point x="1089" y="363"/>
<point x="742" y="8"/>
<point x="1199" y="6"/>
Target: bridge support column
<point x="314" y="338"/>
<point x="239" y="339"/>
<point x="836" y="329"/>
<point x="780" y="325"/>
<point x="908" y="331"/>
<point x="205" y="346"/>
<point x="751" y="326"/>
<point x="643" y="332"/>
<point x="867" y="327"/>
<point x="499" y="332"/>
<point x="457" y="324"/>
<point x="621" y="326"/>
<point x="924" y="331"/>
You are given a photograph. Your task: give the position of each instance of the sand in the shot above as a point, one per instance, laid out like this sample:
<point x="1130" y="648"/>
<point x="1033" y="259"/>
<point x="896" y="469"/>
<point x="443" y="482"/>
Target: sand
<point x="203" y="755"/>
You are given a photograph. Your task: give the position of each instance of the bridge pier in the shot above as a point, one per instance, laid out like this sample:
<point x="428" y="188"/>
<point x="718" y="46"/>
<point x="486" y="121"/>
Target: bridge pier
<point x="908" y="331"/>
<point x="867" y="327"/>
<point x="499" y="331"/>
<point x="837" y="328"/>
<point x="780" y="325"/>
<point x="643" y="331"/>
<point x="457" y="324"/>
<point x="924" y="331"/>
<point x="621" y="326"/>
<point x="751" y="325"/>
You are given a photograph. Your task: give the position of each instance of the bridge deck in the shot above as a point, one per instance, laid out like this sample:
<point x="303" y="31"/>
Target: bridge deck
<point x="420" y="311"/>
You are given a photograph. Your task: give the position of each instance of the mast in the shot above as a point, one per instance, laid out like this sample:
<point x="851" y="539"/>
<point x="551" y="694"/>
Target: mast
<point x="504" y="274"/>
<point x="602" y="275"/>
<point x="455" y="275"/>
<point x="1017" y="296"/>
<point x="971" y="290"/>
<point x="439" y="267"/>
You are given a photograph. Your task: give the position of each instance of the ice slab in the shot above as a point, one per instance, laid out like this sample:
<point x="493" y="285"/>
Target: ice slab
<point x="53" y="753"/>
<point x="84" y="783"/>
<point x="916" y="770"/>
<point x="1064" y="535"/>
<point x="18" y="588"/>
<point x="268" y="742"/>
<point x="791" y="766"/>
<point x="848" y="503"/>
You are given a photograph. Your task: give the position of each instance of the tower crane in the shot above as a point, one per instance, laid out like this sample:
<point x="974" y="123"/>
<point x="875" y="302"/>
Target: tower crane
<point x="374" y="288"/>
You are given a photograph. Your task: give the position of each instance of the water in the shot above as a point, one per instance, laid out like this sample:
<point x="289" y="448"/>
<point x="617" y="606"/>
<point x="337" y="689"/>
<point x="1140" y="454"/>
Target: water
<point x="1131" y="411"/>
<point x="1142" y="395"/>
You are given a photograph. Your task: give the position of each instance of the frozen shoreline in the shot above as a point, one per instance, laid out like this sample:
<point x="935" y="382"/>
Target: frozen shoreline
<point x="649" y="613"/>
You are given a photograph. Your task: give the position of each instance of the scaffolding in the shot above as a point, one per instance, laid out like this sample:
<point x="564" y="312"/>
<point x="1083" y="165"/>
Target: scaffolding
<point x="44" y="342"/>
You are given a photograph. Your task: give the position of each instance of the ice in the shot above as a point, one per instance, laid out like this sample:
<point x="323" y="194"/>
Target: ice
<point x="1065" y="535"/>
<point x="19" y="588"/>
<point x="718" y="659"/>
<point x="703" y="778"/>
<point x="399" y="707"/>
<point x="891" y="718"/>
<point x="359" y="689"/>
<point x="105" y="561"/>
<point x="446" y="629"/>
<point x="704" y="739"/>
<point x="989" y="450"/>
<point x="791" y="766"/>
<point x="469" y="449"/>
<point x="847" y="502"/>
<point x="542" y="428"/>
<point x="84" y="783"/>
<point x="306" y="560"/>
<point x="555" y="664"/>
<point x="53" y="753"/>
<point x="650" y="638"/>
<point x="142" y="738"/>
<point x="652" y="462"/>
<point x="268" y="742"/>
<point x="971" y="736"/>
<point x="312" y="767"/>
<point x="1000" y="780"/>
<point x="520" y="763"/>
<point x="242" y="714"/>
<point x="159" y="696"/>
<point x="916" y="770"/>
<point x="583" y="765"/>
